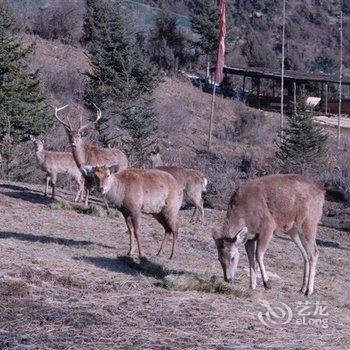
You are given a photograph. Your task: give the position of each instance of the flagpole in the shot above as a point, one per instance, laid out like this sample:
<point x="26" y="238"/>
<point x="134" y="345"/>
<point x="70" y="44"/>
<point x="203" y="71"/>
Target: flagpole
<point x="282" y="73"/>
<point x="340" y="77"/>
<point x="211" y="116"/>
<point x="218" y="76"/>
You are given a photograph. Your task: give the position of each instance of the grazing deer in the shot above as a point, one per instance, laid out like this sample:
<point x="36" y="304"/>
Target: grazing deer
<point x="259" y="208"/>
<point x="54" y="163"/>
<point x="192" y="182"/>
<point x="85" y="154"/>
<point x="136" y="191"/>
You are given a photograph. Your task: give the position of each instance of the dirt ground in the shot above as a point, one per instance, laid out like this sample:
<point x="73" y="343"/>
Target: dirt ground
<point x="64" y="284"/>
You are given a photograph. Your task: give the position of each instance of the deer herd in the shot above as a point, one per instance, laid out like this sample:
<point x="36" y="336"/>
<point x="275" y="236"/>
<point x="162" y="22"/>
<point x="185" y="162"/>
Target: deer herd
<point x="258" y="209"/>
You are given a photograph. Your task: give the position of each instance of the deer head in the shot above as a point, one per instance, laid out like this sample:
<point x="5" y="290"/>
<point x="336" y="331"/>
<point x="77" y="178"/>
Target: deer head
<point x="228" y="254"/>
<point x="75" y="134"/>
<point x="101" y="175"/>
<point x="38" y="144"/>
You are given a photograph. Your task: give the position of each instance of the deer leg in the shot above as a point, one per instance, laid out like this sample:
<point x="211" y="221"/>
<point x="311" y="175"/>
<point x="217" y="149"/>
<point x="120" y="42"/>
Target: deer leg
<point x="263" y="243"/>
<point x="106" y="204"/>
<point x="80" y="190"/>
<point x="194" y="215"/>
<point x="201" y="209"/>
<point x="250" y="247"/>
<point x="135" y="219"/>
<point x="129" y="224"/>
<point x="87" y="191"/>
<point x="308" y="236"/>
<point x="165" y="238"/>
<point x="198" y="212"/>
<point x="175" y="231"/>
<point x="296" y="239"/>
<point x="53" y="184"/>
<point x="313" y="262"/>
<point x="48" y="178"/>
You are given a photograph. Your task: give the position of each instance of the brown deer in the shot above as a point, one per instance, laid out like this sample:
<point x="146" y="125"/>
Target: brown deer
<point x="136" y="191"/>
<point x="291" y="204"/>
<point x="192" y="182"/>
<point x="54" y="163"/>
<point x="85" y="154"/>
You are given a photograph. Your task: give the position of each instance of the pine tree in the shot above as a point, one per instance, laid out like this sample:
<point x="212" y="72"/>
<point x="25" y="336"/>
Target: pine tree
<point x="205" y="22"/>
<point x="95" y="15"/>
<point x="303" y="145"/>
<point x="121" y="77"/>
<point x="141" y="122"/>
<point x="22" y="102"/>
<point x="167" y="44"/>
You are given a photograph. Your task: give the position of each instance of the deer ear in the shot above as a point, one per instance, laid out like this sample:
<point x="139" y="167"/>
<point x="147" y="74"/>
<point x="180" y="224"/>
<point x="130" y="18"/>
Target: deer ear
<point x="114" y="168"/>
<point x="242" y="236"/>
<point x="87" y="170"/>
<point x="32" y="138"/>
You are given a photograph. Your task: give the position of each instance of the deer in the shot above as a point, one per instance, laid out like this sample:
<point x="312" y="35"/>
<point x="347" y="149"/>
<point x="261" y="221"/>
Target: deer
<point x="54" y="163"/>
<point x="86" y="154"/>
<point x="137" y="191"/>
<point x="291" y="204"/>
<point x="192" y="182"/>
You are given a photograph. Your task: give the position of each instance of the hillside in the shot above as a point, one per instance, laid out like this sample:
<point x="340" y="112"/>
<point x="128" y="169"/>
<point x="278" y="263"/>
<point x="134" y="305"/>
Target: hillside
<point x="312" y="28"/>
<point x="66" y="283"/>
<point x="312" y="32"/>
<point x="244" y="139"/>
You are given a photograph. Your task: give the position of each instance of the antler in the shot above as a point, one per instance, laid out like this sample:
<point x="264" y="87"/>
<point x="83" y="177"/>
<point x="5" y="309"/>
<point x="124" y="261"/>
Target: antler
<point x="98" y="117"/>
<point x="68" y="126"/>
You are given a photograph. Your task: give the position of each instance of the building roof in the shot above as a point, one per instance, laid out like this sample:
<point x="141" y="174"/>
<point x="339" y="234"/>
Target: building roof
<point x="297" y="76"/>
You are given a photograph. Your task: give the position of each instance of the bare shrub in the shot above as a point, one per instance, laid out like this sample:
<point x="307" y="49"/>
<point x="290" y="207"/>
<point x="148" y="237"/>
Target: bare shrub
<point x="60" y="20"/>
<point x="23" y="16"/>
<point x="64" y="82"/>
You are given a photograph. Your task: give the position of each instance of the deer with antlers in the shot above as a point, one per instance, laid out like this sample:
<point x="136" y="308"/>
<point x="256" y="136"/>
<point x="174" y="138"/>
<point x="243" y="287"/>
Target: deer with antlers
<point x="291" y="204"/>
<point x="192" y="182"/>
<point x="86" y="154"/>
<point x="54" y="163"/>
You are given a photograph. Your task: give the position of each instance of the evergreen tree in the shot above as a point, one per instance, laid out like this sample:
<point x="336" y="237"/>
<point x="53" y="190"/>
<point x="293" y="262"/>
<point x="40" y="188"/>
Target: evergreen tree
<point x="22" y="102"/>
<point x="205" y="22"/>
<point x="256" y="52"/>
<point x="141" y="122"/>
<point x="95" y="15"/>
<point x="167" y="44"/>
<point x="122" y="77"/>
<point x="304" y="143"/>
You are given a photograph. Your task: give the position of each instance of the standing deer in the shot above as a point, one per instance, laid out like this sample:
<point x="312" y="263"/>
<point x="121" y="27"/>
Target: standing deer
<point x="259" y="208"/>
<point x="192" y="182"/>
<point x="85" y="154"/>
<point x="136" y="191"/>
<point x="54" y="163"/>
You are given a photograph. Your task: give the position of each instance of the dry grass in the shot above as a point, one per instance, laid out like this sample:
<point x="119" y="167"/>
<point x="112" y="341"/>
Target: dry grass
<point x="185" y="281"/>
<point x="93" y="208"/>
<point x="13" y="287"/>
<point x="66" y="284"/>
<point x="202" y="283"/>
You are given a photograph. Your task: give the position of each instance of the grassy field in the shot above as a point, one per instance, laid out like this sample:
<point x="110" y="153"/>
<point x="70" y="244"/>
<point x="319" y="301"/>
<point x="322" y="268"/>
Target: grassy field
<point x="66" y="284"/>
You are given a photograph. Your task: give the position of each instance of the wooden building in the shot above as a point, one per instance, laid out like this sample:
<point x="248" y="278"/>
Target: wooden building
<point x="256" y="94"/>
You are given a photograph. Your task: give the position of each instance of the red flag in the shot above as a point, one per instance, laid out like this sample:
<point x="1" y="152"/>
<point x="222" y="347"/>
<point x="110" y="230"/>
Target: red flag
<point x="220" y="60"/>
